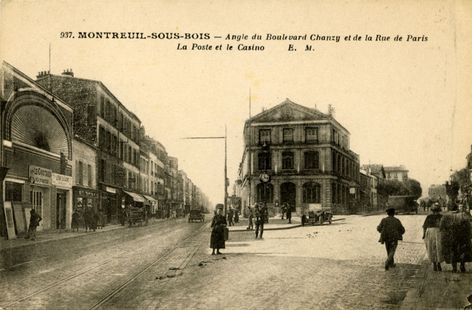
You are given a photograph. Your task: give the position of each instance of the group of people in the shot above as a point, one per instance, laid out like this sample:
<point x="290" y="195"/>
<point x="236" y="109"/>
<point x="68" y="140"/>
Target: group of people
<point x="233" y="216"/>
<point x="90" y="218"/>
<point x="287" y="210"/>
<point x="447" y="237"/>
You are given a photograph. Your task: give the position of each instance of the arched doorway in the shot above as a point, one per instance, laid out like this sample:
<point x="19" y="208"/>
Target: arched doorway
<point x="288" y="194"/>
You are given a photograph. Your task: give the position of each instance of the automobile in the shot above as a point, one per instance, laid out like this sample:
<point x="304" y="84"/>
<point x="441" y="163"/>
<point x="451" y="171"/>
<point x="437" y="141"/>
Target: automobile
<point x="196" y="216"/>
<point x="403" y="204"/>
<point x="317" y="214"/>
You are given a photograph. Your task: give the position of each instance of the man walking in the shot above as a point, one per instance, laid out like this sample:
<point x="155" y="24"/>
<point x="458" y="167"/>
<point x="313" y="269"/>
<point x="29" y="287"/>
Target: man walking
<point x="250" y="225"/>
<point x="391" y="230"/>
<point x="230" y="217"/>
<point x="259" y="214"/>
<point x="289" y="213"/>
<point x="34" y="223"/>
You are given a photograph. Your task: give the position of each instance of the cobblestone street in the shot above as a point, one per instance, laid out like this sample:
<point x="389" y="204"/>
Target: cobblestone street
<point x="329" y="267"/>
<point x="169" y="266"/>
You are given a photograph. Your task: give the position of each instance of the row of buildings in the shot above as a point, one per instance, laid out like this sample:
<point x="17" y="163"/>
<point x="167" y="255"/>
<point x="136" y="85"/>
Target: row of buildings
<point x="69" y="143"/>
<point x="300" y="156"/>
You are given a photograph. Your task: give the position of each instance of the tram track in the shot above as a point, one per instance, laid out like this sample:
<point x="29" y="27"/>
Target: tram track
<point x="163" y="255"/>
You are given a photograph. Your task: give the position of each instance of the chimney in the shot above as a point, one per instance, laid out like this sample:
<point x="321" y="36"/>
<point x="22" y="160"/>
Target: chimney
<point x="42" y="74"/>
<point x="68" y="72"/>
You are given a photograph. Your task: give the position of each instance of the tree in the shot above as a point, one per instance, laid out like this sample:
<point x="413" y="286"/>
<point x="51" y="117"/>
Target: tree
<point x="396" y="188"/>
<point x="414" y="188"/>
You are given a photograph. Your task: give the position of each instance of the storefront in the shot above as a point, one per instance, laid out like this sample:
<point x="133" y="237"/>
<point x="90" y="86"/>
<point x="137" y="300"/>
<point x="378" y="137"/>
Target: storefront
<point x="134" y="199"/>
<point x="85" y="197"/>
<point x="111" y="204"/>
<point x="153" y="205"/>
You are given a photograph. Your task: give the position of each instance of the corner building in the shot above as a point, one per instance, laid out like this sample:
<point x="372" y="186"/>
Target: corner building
<point x="305" y="156"/>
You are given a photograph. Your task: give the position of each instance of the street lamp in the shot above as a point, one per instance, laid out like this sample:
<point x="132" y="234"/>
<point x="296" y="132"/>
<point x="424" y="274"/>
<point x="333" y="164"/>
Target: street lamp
<point x="226" y="159"/>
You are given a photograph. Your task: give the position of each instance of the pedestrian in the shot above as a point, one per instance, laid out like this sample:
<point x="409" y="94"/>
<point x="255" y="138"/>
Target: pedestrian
<point x="283" y="209"/>
<point x="265" y="213"/>
<point x="35" y="218"/>
<point x="289" y="213"/>
<point x="236" y="216"/>
<point x="250" y="225"/>
<point x="259" y="216"/>
<point x="217" y="239"/>
<point x="432" y="237"/>
<point x="87" y="218"/>
<point x="75" y="220"/>
<point x="230" y="217"/>
<point x="391" y="230"/>
<point x="93" y="219"/>
<point x="456" y="236"/>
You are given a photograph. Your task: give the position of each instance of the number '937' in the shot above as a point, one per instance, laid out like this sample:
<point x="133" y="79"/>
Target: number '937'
<point x="66" y="35"/>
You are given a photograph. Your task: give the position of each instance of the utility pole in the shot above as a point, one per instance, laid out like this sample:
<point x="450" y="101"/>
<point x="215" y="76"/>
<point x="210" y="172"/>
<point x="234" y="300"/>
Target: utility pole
<point x="226" y="173"/>
<point x="226" y="164"/>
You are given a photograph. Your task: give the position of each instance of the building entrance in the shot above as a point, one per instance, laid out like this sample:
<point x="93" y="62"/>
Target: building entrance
<point x="288" y="194"/>
<point x="61" y="210"/>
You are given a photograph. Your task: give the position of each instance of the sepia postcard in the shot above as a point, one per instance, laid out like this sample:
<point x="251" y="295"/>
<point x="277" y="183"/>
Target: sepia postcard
<point x="235" y="154"/>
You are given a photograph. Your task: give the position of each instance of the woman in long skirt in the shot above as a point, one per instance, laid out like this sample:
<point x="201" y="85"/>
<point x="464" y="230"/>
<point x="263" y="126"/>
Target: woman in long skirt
<point x="456" y="238"/>
<point x="432" y="237"/>
<point x="217" y="240"/>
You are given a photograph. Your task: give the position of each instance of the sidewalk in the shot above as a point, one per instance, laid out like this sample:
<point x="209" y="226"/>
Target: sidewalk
<point x="53" y="235"/>
<point x="275" y="223"/>
<point x="439" y="290"/>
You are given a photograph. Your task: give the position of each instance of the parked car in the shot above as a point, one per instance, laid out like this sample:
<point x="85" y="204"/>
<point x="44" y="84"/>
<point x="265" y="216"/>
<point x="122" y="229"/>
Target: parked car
<point x="317" y="214"/>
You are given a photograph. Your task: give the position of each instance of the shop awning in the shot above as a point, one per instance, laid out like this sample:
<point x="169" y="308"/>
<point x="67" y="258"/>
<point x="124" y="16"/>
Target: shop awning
<point x="136" y="197"/>
<point x="149" y="198"/>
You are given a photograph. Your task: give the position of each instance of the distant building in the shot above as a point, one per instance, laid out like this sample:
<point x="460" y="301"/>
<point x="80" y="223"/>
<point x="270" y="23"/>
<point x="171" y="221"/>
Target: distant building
<point x="375" y="170"/>
<point x="368" y="197"/>
<point x="300" y="156"/>
<point x="396" y="173"/>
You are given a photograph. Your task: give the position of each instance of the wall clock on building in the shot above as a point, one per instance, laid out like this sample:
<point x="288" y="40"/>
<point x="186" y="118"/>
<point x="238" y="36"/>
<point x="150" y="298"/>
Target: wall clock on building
<point x="264" y="177"/>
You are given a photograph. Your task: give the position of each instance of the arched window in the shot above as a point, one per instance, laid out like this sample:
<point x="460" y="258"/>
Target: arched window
<point x="265" y="192"/>
<point x="311" y="192"/>
<point x="287" y="160"/>
<point x="36" y="126"/>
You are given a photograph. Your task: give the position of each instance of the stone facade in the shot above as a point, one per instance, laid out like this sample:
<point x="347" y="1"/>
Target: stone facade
<point x="300" y="156"/>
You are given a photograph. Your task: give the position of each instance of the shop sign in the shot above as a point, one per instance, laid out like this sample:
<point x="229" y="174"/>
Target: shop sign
<point x="61" y="180"/>
<point x="86" y="193"/>
<point x="110" y="190"/>
<point x="40" y="176"/>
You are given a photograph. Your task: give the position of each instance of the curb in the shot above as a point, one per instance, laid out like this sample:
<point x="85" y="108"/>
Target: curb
<point x="78" y="235"/>
<point x="283" y="227"/>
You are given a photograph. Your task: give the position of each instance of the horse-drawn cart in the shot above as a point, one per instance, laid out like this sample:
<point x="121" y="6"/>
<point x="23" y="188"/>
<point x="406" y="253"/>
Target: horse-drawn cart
<point x="135" y="215"/>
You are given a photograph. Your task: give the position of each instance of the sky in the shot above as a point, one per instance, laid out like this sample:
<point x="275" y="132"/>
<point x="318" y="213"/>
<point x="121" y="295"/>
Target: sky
<point x="403" y="102"/>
